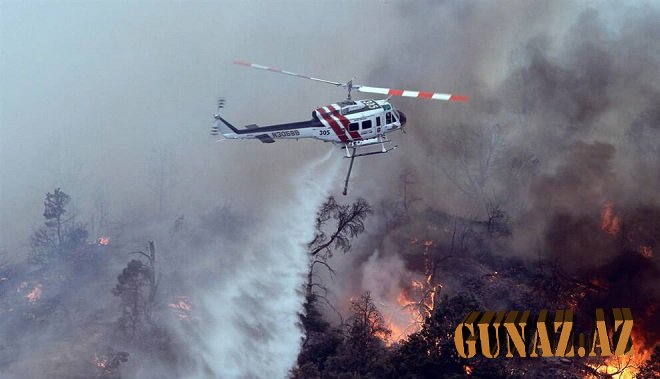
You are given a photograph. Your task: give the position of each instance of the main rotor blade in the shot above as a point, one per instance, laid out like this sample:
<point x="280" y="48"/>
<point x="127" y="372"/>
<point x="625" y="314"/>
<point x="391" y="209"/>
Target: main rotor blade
<point x="260" y="67"/>
<point x="406" y="93"/>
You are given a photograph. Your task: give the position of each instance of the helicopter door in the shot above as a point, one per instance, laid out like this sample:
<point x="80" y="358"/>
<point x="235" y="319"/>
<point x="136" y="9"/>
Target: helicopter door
<point x="367" y="127"/>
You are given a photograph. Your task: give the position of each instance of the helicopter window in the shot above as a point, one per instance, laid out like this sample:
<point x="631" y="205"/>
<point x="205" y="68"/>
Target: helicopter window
<point x="353" y="126"/>
<point x="388" y="118"/>
<point x="366" y="124"/>
<point x="378" y="121"/>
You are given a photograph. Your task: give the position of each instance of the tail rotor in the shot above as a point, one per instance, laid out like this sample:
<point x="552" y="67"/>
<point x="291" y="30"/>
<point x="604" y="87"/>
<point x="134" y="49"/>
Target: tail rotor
<point x="215" y="129"/>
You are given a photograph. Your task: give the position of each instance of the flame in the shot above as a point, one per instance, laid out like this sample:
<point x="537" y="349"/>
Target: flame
<point x="611" y="223"/>
<point x="415" y="301"/>
<point x="100" y="361"/>
<point x="182" y="308"/>
<point x="468" y="370"/>
<point x="35" y="294"/>
<point x="646" y="251"/>
<point x="626" y="367"/>
<point x="103" y="241"/>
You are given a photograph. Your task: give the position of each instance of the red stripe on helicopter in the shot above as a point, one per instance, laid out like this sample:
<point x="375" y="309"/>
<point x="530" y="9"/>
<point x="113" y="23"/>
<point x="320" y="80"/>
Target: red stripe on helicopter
<point x="458" y="98"/>
<point x="333" y="124"/>
<point x="344" y="121"/>
<point x="335" y="120"/>
<point x="426" y="95"/>
<point x="395" y="92"/>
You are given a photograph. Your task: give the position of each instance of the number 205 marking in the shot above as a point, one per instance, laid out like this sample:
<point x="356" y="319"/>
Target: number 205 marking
<point x="324" y="132"/>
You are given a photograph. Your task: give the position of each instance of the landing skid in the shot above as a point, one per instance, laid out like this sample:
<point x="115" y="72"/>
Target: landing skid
<point x="354" y="145"/>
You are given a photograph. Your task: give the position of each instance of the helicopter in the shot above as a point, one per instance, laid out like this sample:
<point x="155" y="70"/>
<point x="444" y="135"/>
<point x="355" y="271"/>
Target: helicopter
<point x="350" y="124"/>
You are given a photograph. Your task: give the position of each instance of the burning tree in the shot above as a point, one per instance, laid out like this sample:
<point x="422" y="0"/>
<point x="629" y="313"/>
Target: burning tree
<point x="109" y="363"/>
<point x="362" y="352"/>
<point x="431" y="350"/>
<point x="421" y="299"/>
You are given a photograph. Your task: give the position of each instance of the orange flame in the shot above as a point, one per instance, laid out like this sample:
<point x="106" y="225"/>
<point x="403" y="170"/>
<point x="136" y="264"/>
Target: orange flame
<point x="626" y="367"/>
<point x="182" y="308"/>
<point x="415" y="302"/>
<point x="100" y="361"/>
<point x="103" y="241"/>
<point x="611" y="223"/>
<point x="35" y="294"/>
<point x="646" y="251"/>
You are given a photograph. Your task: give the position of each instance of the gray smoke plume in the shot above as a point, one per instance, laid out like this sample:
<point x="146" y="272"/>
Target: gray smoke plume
<point x="562" y="121"/>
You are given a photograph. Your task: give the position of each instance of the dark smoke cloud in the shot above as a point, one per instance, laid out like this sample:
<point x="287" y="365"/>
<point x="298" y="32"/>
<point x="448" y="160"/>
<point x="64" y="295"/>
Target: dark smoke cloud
<point x="562" y="121"/>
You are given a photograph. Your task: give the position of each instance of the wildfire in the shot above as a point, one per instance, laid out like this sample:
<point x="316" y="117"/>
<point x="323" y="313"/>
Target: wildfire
<point x="625" y="367"/>
<point x="103" y="241"/>
<point x="646" y="251"/>
<point x="181" y="307"/>
<point x="35" y="294"/>
<point x="100" y="361"/>
<point x="417" y="300"/>
<point x="611" y="223"/>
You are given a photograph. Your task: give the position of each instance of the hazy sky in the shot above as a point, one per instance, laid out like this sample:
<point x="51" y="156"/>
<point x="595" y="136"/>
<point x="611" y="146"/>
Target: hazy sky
<point x="89" y="90"/>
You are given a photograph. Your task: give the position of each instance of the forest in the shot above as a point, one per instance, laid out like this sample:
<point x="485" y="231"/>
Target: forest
<point x="137" y="321"/>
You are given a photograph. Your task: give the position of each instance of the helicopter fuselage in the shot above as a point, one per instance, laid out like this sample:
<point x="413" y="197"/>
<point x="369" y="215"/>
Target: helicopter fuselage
<point x="347" y="123"/>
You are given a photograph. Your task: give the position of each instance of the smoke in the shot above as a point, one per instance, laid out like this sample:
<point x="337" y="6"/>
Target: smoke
<point x="113" y="103"/>
<point x="562" y="122"/>
<point x="563" y="119"/>
<point x="251" y="325"/>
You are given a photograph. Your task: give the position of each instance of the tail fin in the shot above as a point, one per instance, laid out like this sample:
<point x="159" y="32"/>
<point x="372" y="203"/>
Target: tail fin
<point x="221" y="126"/>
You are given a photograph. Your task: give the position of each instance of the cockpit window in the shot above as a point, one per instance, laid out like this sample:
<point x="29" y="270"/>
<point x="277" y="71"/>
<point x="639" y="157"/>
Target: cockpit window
<point x="388" y="118"/>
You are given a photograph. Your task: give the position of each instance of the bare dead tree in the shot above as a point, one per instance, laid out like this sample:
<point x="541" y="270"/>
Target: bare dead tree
<point x="150" y="255"/>
<point x="498" y="220"/>
<point x="100" y="217"/>
<point x="473" y="153"/>
<point x="161" y="171"/>
<point x="366" y="321"/>
<point x="407" y="180"/>
<point x="349" y="223"/>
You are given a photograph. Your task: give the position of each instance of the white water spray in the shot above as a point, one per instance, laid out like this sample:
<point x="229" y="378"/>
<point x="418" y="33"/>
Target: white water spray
<point x="252" y="329"/>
